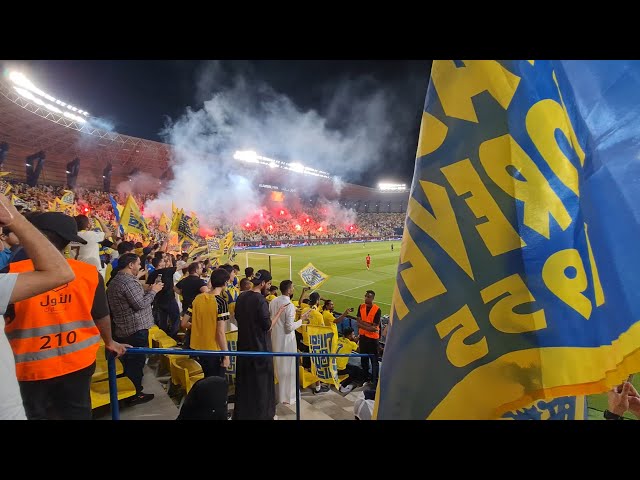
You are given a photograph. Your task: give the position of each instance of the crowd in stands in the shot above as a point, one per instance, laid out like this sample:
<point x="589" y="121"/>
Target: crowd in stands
<point x="145" y="288"/>
<point x="292" y="227"/>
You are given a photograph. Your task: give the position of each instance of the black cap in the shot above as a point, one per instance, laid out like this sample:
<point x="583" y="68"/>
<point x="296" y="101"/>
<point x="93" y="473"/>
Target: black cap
<point x="261" y="276"/>
<point x="59" y="223"/>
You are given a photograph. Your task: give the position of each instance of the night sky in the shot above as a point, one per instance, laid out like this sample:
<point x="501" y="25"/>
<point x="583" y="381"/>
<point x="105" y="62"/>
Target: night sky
<point x="137" y="97"/>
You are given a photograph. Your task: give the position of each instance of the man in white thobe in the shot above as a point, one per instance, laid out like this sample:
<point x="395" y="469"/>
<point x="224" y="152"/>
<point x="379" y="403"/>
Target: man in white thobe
<point x="283" y="339"/>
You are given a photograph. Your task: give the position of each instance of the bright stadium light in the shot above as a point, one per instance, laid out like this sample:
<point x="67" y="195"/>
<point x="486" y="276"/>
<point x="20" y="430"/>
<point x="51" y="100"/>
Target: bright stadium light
<point x="20" y="80"/>
<point x="25" y="93"/>
<point x="246" y="156"/>
<point x="251" y="156"/>
<point x="392" y="187"/>
<point x="297" y="167"/>
<point x="23" y="84"/>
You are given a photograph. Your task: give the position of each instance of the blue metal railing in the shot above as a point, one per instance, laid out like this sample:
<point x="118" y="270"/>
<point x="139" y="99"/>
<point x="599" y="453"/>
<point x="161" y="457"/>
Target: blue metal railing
<point x="111" y="364"/>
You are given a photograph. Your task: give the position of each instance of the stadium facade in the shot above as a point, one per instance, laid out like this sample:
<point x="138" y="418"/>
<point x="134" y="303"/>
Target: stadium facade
<point x="29" y="124"/>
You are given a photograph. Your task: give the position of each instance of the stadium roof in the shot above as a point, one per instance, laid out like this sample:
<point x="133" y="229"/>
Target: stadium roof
<point x="29" y="126"/>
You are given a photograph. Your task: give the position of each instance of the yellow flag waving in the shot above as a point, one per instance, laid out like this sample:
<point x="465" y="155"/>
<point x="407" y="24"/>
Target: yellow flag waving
<point x="68" y="197"/>
<point x="312" y="277"/>
<point x="132" y="220"/>
<point x="163" y="225"/>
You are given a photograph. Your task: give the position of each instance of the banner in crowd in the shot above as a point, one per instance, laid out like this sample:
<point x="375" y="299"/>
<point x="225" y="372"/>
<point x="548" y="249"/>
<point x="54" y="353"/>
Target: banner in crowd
<point x="117" y="209"/>
<point x="184" y="227"/>
<point x="518" y="272"/>
<point x="321" y="340"/>
<point x="132" y="220"/>
<point x="18" y="202"/>
<point x="69" y="197"/>
<point x="312" y="277"/>
<point x="5" y="187"/>
<point x="163" y="223"/>
<point x="213" y="245"/>
<point x="227" y="243"/>
<point x="194" y="223"/>
<point x="232" y="346"/>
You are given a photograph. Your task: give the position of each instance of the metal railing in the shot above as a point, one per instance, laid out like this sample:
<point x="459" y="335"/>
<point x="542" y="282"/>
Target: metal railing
<point x="113" y="385"/>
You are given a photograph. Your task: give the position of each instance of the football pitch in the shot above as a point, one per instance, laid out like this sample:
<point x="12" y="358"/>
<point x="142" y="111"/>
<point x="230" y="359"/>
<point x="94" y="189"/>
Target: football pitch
<point x="345" y="265"/>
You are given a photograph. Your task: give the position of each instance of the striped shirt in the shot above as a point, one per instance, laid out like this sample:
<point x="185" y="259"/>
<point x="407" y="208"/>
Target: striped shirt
<point x="130" y="305"/>
<point x="223" y="309"/>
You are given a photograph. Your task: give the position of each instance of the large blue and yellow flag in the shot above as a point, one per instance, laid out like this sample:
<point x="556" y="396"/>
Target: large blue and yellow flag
<point x="116" y="212"/>
<point x="132" y="220"/>
<point x="518" y="274"/>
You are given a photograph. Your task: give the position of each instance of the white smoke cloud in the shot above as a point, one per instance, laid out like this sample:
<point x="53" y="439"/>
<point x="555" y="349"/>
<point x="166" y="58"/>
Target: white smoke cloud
<point x="354" y="133"/>
<point x="141" y="182"/>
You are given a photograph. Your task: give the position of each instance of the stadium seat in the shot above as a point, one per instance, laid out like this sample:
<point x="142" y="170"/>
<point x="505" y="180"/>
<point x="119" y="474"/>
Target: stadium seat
<point x="152" y="332"/>
<point x="100" y="392"/>
<point x="102" y="371"/>
<point x="180" y="374"/>
<point x="163" y="341"/>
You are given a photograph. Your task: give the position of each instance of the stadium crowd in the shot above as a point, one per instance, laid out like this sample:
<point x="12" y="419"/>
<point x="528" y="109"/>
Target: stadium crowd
<point x="289" y="226"/>
<point x="145" y="290"/>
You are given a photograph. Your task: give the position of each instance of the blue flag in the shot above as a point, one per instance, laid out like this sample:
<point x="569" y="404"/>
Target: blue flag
<point x="114" y="205"/>
<point x="518" y="275"/>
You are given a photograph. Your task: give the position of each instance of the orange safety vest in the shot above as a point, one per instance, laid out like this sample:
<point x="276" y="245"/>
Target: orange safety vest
<point x="369" y="319"/>
<point x="53" y="334"/>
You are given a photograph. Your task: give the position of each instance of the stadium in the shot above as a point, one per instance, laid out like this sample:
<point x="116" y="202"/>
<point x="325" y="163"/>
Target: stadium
<point x="283" y="235"/>
<point x="167" y="285"/>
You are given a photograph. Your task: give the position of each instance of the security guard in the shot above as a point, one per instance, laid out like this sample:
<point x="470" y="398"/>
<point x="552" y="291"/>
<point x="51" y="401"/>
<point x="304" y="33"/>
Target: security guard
<point x="55" y="335"/>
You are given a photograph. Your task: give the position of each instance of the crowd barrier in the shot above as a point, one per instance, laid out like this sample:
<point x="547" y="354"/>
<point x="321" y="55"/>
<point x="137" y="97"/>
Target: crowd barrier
<point x="111" y="363"/>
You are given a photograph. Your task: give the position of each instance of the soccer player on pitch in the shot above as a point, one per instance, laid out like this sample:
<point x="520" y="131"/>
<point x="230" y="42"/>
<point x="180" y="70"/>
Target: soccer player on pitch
<point x="368" y="261"/>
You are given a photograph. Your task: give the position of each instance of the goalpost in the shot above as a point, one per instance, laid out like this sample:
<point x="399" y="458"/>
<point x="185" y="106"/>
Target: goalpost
<point x="278" y="265"/>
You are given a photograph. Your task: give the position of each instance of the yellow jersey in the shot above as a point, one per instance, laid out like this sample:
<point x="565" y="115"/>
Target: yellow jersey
<point x="345" y="346"/>
<point x="204" y="322"/>
<point x="315" y="318"/>
<point x="329" y="321"/>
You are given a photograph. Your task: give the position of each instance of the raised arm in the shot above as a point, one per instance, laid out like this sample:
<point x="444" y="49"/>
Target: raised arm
<point x="50" y="268"/>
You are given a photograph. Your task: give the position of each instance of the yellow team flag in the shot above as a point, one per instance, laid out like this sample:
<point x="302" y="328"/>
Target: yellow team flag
<point x="4" y="174"/>
<point x="227" y="241"/>
<point x="312" y="277"/>
<point x="132" y="220"/>
<point x="232" y="346"/>
<point x="68" y="197"/>
<point x="18" y="202"/>
<point x="163" y="224"/>
<point x="175" y="220"/>
<point x="173" y="207"/>
<point x="322" y="340"/>
<point x="194" y="252"/>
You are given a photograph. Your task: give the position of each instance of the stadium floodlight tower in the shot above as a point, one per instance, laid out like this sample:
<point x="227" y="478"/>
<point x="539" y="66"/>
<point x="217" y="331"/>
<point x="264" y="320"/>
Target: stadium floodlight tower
<point x="73" y="169"/>
<point x="106" y="178"/>
<point x="34" y="164"/>
<point x="4" y="149"/>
